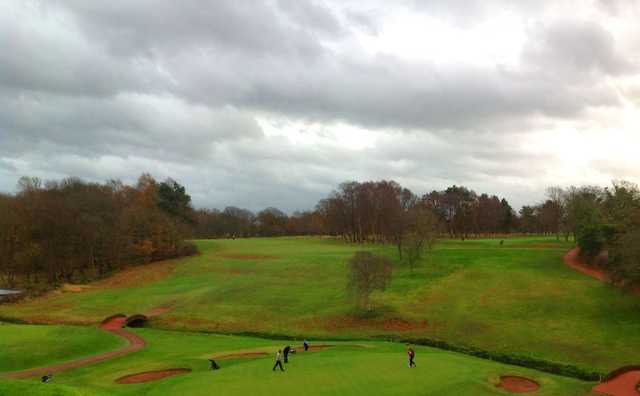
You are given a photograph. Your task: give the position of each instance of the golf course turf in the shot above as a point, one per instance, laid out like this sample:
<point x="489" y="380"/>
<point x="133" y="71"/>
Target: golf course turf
<point x="516" y="298"/>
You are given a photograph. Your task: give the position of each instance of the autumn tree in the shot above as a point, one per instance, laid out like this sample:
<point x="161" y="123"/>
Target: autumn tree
<point x="271" y="222"/>
<point x="69" y="230"/>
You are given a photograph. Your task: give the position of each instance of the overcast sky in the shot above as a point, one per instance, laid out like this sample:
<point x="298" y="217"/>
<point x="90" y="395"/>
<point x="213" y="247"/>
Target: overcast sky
<point x="274" y="103"/>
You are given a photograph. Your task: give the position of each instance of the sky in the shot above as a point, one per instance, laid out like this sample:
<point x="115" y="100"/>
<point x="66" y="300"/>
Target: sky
<point x="275" y="103"/>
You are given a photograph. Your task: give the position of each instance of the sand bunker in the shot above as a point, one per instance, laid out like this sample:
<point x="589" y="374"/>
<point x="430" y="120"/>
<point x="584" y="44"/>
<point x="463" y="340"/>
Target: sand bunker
<point x="622" y="382"/>
<point x="148" y="376"/>
<point x="516" y="384"/>
<point x="313" y="348"/>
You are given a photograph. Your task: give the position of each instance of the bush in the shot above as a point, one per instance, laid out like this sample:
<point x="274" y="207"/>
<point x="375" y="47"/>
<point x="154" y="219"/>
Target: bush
<point x="187" y="249"/>
<point x="591" y="240"/>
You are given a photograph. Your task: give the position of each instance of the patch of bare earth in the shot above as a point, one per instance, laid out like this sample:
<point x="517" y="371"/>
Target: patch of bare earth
<point x="138" y="275"/>
<point x="149" y="376"/>
<point x="160" y="309"/>
<point x="387" y="324"/>
<point x="517" y="384"/>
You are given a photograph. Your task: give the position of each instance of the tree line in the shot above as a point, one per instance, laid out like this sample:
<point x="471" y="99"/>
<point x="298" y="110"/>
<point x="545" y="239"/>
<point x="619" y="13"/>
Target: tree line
<point x="67" y="230"/>
<point x="71" y="230"/>
<point x="372" y="211"/>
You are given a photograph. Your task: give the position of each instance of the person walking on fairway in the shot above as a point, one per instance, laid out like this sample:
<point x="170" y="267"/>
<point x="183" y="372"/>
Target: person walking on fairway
<point x="278" y="361"/>
<point x="412" y="355"/>
<point x="286" y="351"/>
<point x="306" y="345"/>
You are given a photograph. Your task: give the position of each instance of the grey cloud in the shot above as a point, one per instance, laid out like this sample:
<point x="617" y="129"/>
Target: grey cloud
<point x="619" y="7"/>
<point x="366" y="21"/>
<point x="149" y="26"/>
<point x="42" y="53"/>
<point x="253" y="55"/>
<point x="146" y="125"/>
<point x="114" y="89"/>
<point x="574" y="48"/>
<point x="7" y="166"/>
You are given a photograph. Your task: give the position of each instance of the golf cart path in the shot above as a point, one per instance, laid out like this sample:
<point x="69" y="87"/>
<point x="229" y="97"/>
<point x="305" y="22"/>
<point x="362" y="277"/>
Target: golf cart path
<point x="623" y="384"/>
<point x="572" y="259"/>
<point x="114" y="326"/>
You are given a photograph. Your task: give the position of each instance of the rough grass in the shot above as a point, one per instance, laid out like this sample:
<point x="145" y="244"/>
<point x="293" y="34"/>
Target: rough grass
<point x="518" y="297"/>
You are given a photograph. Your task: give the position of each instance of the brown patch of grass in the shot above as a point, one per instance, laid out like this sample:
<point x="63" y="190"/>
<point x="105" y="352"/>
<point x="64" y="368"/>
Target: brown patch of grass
<point x="74" y="288"/>
<point x="159" y="310"/>
<point x="138" y="275"/>
<point x="232" y="271"/>
<point x="395" y="325"/>
<point x="542" y="245"/>
<point x="256" y="257"/>
<point x="517" y="384"/>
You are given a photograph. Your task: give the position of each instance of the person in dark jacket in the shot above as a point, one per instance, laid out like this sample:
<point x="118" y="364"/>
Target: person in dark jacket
<point x="286" y="351"/>
<point x="306" y="345"/>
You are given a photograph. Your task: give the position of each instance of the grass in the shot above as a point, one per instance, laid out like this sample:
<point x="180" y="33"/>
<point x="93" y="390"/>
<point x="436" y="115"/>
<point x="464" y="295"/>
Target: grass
<point x="347" y="368"/>
<point x="518" y="297"/>
<point x="23" y="347"/>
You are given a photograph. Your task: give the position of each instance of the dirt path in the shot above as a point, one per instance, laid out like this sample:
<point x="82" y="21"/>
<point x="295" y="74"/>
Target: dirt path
<point x="572" y="259"/>
<point x="114" y="326"/>
<point x="625" y="383"/>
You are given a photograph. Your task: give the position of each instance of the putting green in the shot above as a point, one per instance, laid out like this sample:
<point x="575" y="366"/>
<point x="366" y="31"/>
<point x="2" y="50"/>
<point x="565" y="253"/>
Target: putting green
<point x="345" y="368"/>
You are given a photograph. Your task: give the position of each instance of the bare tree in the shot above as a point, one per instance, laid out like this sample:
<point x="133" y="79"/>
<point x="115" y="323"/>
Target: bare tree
<point x="422" y="232"/>
<point x="556" y="195"/>
<point x="367" y="272"/>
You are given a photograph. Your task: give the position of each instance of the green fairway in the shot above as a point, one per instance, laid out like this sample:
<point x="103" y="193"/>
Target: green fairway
<point x="517" y="298"/>
<point x="345" y="368"/>
<point x="23" y="347"/>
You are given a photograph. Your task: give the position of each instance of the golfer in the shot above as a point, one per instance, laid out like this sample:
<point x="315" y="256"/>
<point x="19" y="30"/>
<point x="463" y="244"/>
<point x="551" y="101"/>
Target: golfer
<point x="278" y="361"/>
<point x="286" y="351"/>
<point x="412" y="355"/>
<point x="306" y="345"/>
